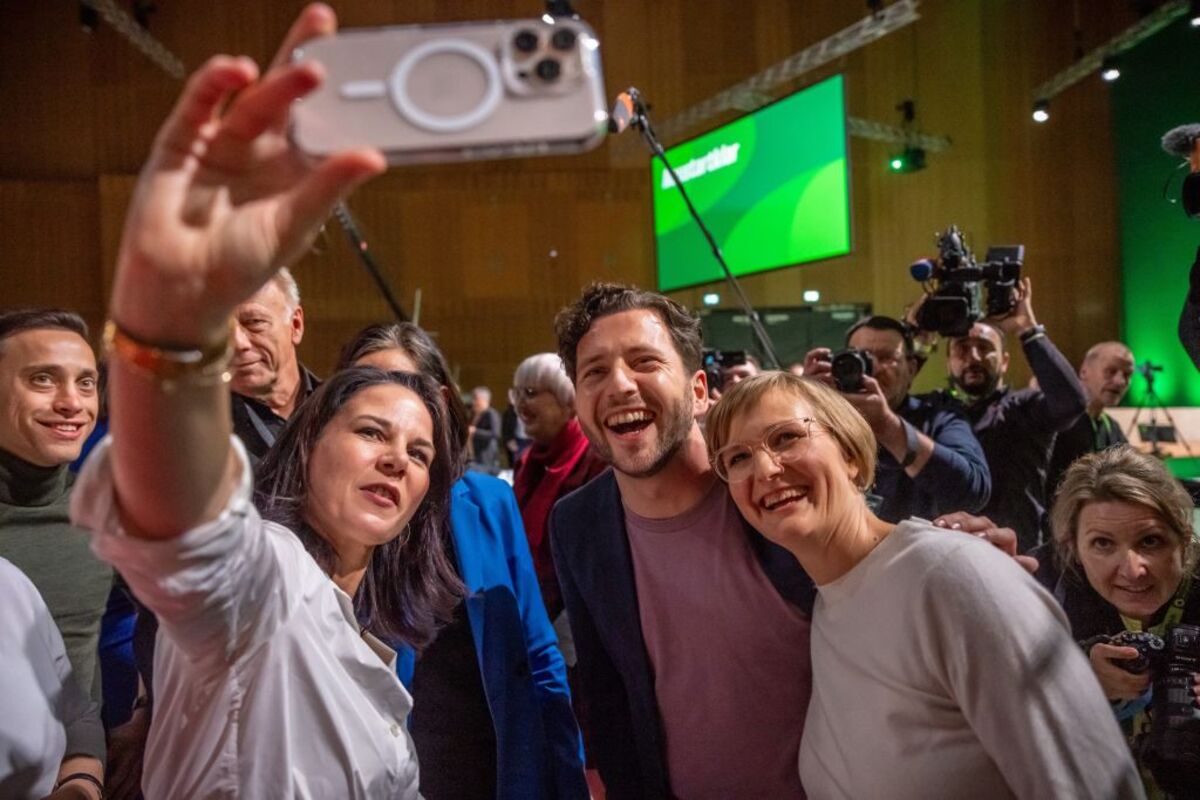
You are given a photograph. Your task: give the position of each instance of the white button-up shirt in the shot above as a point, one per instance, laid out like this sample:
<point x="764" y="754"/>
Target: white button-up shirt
<point x="263" y="685"/>
<point x="44" y="714"/>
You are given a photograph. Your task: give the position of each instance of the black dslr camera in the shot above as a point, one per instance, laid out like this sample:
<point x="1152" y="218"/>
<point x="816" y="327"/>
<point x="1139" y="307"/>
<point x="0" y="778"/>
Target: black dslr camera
<point x="848" y="367"/>
<point x="1151" y="651"/>
<point x="1171" y="748"/>
<point x="956" y="301"/>
<point x="715" y="361"/>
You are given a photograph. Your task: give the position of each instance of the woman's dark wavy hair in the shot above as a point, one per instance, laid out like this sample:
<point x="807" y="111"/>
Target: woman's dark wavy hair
<point x="420" y="348"/>
<point x="410" y="587"/>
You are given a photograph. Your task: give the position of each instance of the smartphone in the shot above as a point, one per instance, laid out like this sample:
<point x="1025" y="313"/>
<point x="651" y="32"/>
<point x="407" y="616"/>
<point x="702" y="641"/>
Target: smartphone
<point x="455" y="92"/>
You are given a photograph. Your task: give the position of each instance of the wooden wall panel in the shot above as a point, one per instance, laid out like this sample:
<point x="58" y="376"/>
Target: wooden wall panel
<point x="49" y="231"/>
<point x="497" y="248"/>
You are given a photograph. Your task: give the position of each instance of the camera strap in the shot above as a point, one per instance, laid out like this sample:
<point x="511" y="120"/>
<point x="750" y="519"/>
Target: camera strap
<point x="1137" y="725"/>
<point x="1173" y="615"/>
<point x="1101" y="432"/>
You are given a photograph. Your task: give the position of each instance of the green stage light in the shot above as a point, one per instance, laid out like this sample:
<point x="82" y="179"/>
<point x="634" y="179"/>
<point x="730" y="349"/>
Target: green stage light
<point x="910" y="159"/>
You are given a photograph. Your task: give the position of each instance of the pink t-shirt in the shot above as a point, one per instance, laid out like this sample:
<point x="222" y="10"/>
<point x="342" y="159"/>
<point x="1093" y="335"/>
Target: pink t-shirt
<point x="730" y="655"/>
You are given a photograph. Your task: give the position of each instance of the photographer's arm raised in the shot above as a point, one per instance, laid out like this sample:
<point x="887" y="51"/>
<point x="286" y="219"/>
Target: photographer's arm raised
<point x="220" y="205"/>
<point x="1062" y="399"/>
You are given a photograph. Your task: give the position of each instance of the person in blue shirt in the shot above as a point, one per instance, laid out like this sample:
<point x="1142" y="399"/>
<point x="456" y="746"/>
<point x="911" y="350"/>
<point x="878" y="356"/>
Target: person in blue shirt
<point x="930" y="462"/>
<point x="492" y="712"/>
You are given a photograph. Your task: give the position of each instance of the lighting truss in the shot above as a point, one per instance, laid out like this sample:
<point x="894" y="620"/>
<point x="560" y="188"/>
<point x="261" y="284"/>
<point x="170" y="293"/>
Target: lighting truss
<point x="883" y="132"/>
<point x="1127" y="39"/>
<point x="861" y="33"/>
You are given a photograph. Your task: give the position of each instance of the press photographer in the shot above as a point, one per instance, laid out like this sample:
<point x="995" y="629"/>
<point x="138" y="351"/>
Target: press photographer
<point x="1122" y="564"/>
<point x="1015" y="427"/>
<point x="926" y="435"/>
<point x="724" y="368"/>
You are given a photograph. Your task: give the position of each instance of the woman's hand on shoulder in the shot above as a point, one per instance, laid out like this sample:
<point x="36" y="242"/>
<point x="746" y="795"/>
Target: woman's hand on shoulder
<point x="1003" y="539"/>
<point x="223" y="200"/>
<point x="1117" y="683"/>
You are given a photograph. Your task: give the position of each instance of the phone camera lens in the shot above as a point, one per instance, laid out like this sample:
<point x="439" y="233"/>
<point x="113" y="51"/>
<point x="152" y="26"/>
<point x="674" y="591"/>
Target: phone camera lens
<point x="548" y="69"/>
<point x="563" y="39"/>
<point x="525" y="41"/>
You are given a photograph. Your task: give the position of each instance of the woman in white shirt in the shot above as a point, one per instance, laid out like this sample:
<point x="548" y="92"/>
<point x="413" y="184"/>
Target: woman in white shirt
<point x="939" y="667"/>
<point x="267" y="685"/>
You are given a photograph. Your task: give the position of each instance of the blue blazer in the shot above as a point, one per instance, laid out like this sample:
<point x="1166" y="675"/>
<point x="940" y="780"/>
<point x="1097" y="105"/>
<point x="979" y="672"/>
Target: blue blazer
<point x="595" y="570"/>
<point x="539" y="752"/>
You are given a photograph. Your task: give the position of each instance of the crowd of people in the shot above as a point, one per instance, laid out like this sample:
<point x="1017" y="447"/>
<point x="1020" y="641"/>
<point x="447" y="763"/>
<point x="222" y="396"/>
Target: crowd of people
<point x="792" y="590"/>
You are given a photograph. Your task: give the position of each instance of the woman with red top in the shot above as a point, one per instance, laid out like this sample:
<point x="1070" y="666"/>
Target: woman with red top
<point x="559" y="461"/>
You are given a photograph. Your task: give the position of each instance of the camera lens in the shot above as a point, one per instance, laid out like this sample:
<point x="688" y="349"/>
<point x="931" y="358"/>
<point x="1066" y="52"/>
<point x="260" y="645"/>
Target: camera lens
<point x="548" y="69"/>
<point x="525" y="41"/>
<point x="563" y="39"/>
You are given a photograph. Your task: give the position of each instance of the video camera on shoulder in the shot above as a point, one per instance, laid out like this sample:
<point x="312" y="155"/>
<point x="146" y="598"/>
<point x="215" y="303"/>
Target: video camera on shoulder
<point x="716" y="361"/>
<point x="960" y="291"/>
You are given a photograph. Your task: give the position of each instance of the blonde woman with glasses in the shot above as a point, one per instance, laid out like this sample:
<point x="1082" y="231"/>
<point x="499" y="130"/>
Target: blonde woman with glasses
<point x="939" y="667"/>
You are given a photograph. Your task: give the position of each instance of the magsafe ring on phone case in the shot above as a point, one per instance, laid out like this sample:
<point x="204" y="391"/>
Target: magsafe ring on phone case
<point x="442" y="123"/>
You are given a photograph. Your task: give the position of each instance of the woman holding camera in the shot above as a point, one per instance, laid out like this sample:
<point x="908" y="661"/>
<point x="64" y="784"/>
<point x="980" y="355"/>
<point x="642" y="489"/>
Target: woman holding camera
<point x="939" y="666"/>
<point x="1124" y="556"/>
<point x="270" y="681"/>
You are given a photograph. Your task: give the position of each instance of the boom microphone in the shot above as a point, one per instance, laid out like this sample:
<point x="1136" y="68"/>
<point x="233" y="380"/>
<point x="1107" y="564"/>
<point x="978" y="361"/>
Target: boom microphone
<point x="922" y="270"/>
<point x="1181" y="141"/>
<point x="627" y="110"/>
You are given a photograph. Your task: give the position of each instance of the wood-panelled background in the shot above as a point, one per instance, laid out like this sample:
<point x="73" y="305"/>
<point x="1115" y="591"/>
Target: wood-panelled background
<point x="497" y="248"/>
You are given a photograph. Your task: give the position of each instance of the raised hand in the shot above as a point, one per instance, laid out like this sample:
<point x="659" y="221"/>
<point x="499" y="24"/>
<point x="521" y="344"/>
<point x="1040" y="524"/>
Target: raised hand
<point x="223" y="200"/>
<point x="1021" y="318"/>
<point x="1003" y="539"/>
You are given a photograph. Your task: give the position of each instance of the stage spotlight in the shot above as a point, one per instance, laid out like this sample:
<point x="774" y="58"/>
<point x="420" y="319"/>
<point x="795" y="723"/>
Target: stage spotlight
<point x="1041" y="111"/>
<point x="1194" y="14"/>
<point x="910" y="159"/>
<point x="812" y="296"/>
<point x="711" y="299"/>
<point x="1109" y="70"/>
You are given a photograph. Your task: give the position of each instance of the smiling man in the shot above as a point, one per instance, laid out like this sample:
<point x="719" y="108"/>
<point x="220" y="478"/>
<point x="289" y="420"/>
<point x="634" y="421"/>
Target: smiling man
<point x="267" y="379"/>
<point x="49" y="398"/>
<point x="691" y="630"/>
<point x="1104" y="373"/>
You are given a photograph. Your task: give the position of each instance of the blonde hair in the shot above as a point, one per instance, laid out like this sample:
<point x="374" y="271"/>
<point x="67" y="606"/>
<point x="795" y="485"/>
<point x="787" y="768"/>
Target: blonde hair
<point x="830" y="409"/>
<point x="1123" y="475"/>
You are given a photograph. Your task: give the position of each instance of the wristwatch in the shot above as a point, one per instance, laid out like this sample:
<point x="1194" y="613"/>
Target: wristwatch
<point x="1033" y="333"/>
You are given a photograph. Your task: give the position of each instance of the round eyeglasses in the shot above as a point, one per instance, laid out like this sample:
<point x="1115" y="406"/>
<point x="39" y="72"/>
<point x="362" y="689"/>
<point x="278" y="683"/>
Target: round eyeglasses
<point x="783" y="442"/>
<point x="517" y="393"/>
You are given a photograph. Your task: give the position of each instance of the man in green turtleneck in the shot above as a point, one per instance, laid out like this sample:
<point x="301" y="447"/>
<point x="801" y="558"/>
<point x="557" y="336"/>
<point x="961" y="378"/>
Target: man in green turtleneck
<point x="49" y="398"/>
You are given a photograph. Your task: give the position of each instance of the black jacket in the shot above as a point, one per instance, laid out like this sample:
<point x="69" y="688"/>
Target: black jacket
<point x="595" y="570"/>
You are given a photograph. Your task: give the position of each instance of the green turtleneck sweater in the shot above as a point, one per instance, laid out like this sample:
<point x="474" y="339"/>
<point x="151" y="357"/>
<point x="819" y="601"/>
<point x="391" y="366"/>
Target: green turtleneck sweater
<point x="36" y="535"/>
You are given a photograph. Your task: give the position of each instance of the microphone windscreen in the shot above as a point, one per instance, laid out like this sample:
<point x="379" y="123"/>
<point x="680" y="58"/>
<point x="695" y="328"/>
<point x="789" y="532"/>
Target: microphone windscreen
<point x="622" y="113"/>
<point x="1180" y="141"/>
<point x="921" y="270"/>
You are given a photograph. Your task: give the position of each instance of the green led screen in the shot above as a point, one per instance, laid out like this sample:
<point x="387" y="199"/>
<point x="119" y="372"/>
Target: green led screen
<point x="1156" y="91"/>
<point x="773" y="187"/>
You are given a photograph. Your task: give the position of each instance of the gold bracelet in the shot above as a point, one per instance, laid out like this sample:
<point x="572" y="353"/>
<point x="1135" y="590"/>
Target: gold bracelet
<point x="170" y="367"/>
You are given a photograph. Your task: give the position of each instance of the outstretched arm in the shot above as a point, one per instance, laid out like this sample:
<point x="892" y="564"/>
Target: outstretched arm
<point x="220" y="205"/>
<point x="1062" y="399"/>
